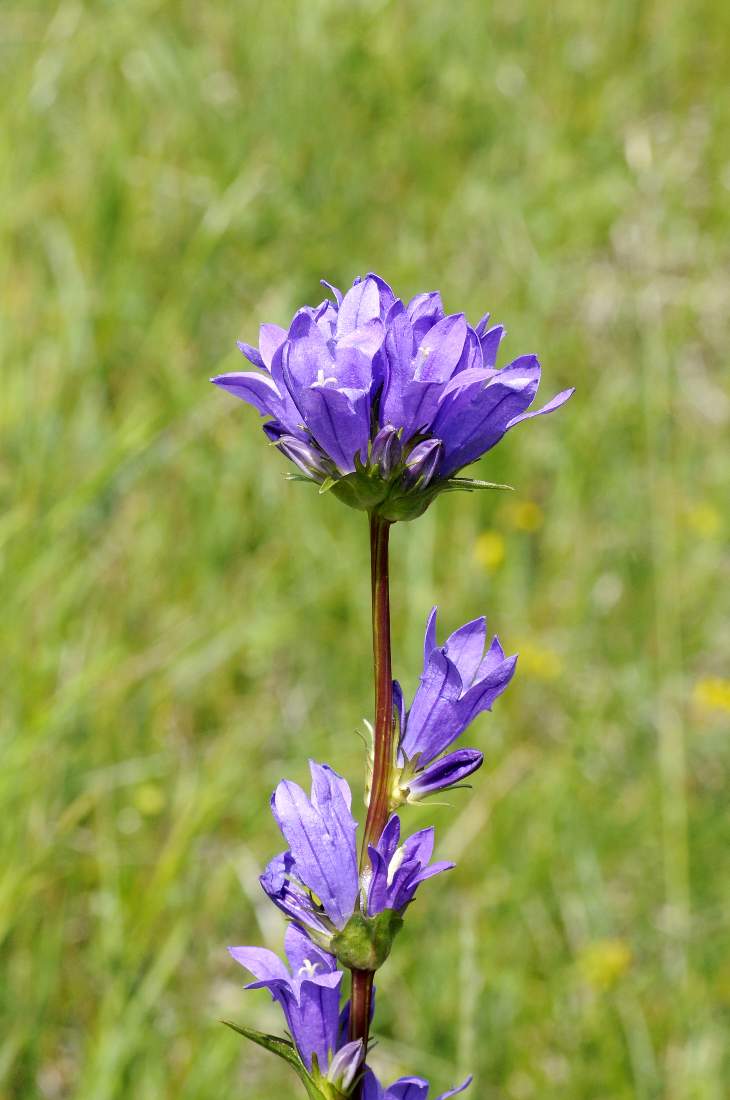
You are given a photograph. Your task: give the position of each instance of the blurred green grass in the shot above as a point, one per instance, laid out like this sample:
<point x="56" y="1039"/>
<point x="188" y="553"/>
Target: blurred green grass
<point x="180" y="626"/>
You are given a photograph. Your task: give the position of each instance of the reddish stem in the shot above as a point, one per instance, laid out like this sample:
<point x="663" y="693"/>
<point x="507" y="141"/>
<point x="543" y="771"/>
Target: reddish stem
<point x="377" y="815"/>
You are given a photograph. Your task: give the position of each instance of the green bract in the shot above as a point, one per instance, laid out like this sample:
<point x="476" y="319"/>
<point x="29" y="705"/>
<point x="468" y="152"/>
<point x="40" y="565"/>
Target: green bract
<point x="365" y="942"/>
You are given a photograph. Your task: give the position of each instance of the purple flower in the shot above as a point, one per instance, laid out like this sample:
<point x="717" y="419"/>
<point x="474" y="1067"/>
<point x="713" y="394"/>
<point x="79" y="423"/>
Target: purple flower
<point x="385" y="402"/>
<point x="308" y="992"/>
<point x="322" y="856"/>
<point x="398" y="871"/>
<point x="405" y="1088"/>
<point x="459" y="681"/>
<point x="317" y="883"/>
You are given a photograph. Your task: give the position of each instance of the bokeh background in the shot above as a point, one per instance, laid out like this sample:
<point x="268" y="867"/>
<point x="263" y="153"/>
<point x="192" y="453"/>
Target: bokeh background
<point x="180" y="626"/>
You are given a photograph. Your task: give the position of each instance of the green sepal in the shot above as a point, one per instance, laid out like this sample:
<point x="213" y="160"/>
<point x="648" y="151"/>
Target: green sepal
<point x="284" y="1049"/>
<point x="365" y="942"/>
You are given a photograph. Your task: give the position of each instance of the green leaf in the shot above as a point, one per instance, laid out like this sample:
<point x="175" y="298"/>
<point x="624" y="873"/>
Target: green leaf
<point x="284" y="1049"/>
<point x="326" y="485"/>
<point x="468" y="484"/>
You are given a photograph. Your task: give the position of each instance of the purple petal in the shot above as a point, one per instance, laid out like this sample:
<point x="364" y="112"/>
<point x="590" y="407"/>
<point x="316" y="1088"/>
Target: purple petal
<point x="485" y="691"/>
<point x="290" y="899"/>
<point x="385" y="293"/>
<point x="399" y="707"/>
<point x="389" y="838"/>
<point x="352" y="368"/>
<point x="367" y="339"/>
<point x="340" y="426"/>
<point x="378" y="897"/>
<point x="371" y="1087"/>
<point x="424" y="311"/>
<point x="407" y="1088"/>
<point x="399" y="351"/>
<point x="490" y="342"/>
<point x="436" y="868"/>
<point x="445" y="772"/>
<point x="474" y="414"/>
<point x="481" y="327"/>
<point x="263" y="964"/>
<point x="303" y="954"/>
<point x="304" y="456"/>
<point x="257" y="389"/>
<point x="465" y="647"/>
<point x="337" y="293"/>
<point x="345" y="1065"/>
<point x="386" y="451"/>
<point x="423" y="462"/>
<point x="271" y="337"/>
<point x="552" y="405"/>
<point x="454" y="1092"/>
<point x="432" y="723"/>
<point x="252" y="354"/>
<point x="429" y="641"/>
<point x="441" y="349"/>
<point x="360" y="305"/>
<point x="307" y="360"/>
<point x="494" y="656"/>
<point x="313" y="1017"/>
<point x="322" y="842"/>
<point x="419" y="846"/>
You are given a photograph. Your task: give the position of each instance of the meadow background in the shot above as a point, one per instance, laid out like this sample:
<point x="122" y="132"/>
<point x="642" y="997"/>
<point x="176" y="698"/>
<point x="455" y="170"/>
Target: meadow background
<point x="180" y="626"/>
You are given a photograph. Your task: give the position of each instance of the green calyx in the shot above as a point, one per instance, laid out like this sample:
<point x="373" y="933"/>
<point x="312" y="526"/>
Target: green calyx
<point x="365" y="942"/>
<point x="392" y="500"/>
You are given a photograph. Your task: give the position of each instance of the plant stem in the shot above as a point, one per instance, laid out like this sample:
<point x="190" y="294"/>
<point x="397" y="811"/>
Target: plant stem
<point x="361" y="994"/>
<point x="377" y="814"/>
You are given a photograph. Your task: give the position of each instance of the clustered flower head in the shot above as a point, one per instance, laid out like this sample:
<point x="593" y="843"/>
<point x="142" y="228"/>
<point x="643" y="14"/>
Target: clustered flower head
<point x="382" y="402"/>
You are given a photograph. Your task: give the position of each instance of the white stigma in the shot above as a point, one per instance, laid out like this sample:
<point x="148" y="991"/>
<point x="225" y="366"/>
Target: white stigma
<point x="394" y="864"/>
<point x="321" y="380"/>
<point x="308" y="968"/>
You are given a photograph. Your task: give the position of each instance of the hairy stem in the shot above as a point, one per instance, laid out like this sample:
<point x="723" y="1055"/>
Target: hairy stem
<point x="377" y="815"/>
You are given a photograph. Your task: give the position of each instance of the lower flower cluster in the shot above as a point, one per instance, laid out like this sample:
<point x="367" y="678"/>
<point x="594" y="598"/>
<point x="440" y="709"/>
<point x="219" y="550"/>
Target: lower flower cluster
<point x="344" y="913"/>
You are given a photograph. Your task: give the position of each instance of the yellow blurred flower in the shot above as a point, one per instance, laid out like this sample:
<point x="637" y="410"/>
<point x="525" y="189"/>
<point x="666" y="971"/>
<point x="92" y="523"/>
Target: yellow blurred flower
<point x="524" y="515"/>
<point x="149" y="799"/>
<point x="704" y="520"/>
<point x="603" y="962"/>
<point x="712" y="693"/>
<point x="489" y="550"/>
<point x="538" y="661"/>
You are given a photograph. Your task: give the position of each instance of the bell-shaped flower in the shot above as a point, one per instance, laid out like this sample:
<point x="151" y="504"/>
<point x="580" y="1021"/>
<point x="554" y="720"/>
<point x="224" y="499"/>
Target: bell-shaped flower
<point x="405" y="1088"/>
<point x="397" y="871"/>
<point x="317" y="883"/>
<point x="308" y="991"/>
<point x="459" y="681"/>
<point x="384" y="402"/>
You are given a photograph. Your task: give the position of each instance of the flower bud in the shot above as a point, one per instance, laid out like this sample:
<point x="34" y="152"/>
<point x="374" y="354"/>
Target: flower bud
<point x="422" y="462"/>
<point x="386" y="450"/>
<point x="307" y="458"/>
<point x="344" y="1066"/>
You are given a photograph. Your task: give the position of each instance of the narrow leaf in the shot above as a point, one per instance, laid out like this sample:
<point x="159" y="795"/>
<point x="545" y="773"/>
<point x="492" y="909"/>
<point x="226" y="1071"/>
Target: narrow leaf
<point x="470" y="484"/>
<point x="284" y="1049"/>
